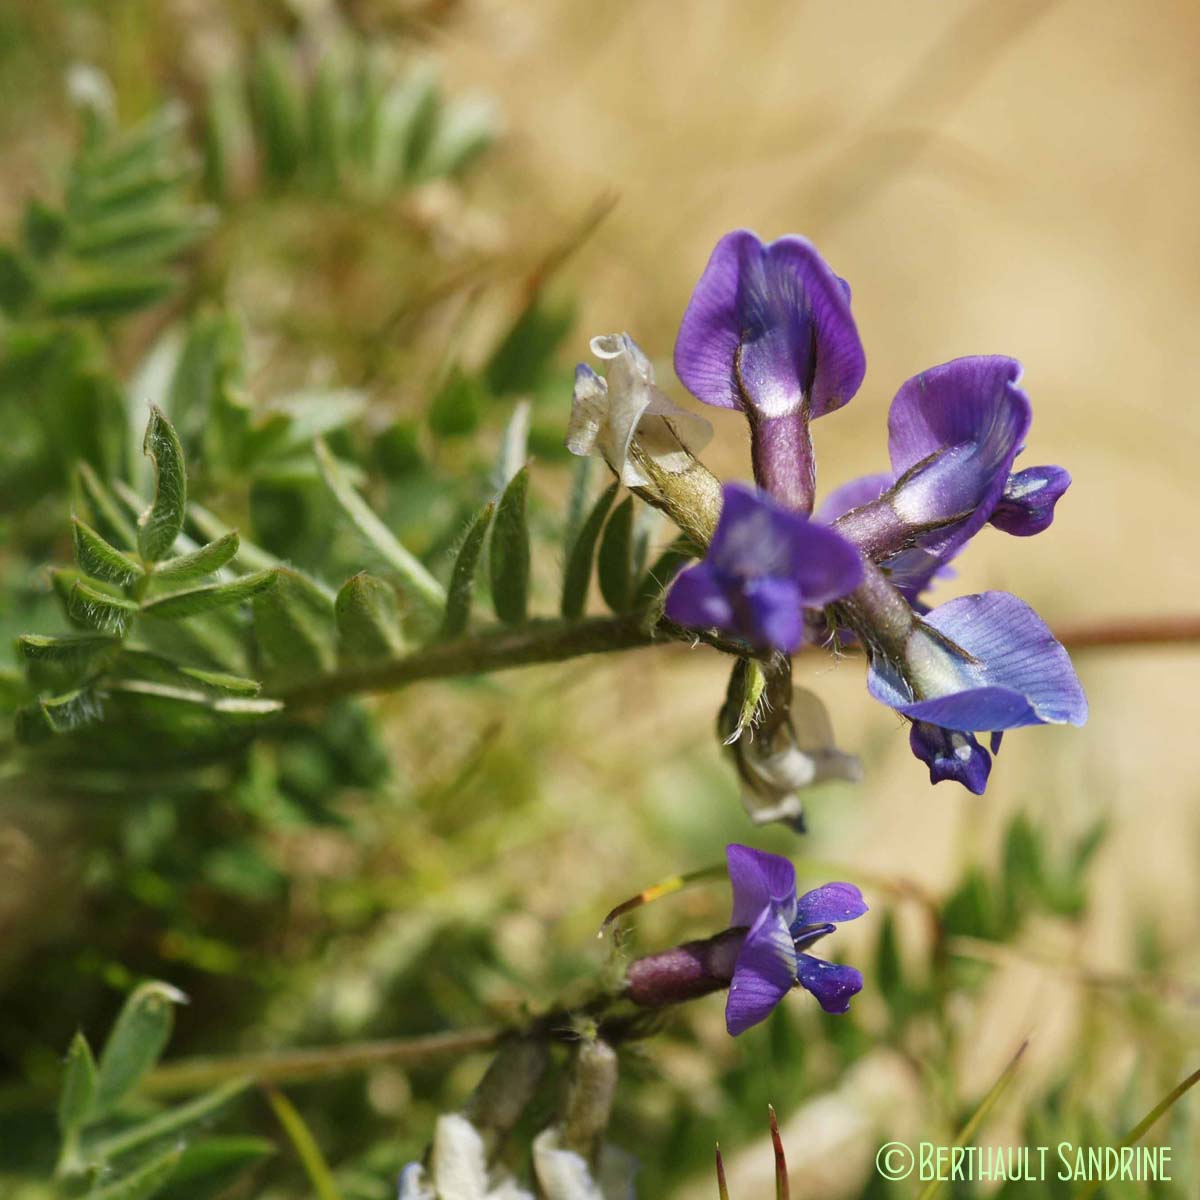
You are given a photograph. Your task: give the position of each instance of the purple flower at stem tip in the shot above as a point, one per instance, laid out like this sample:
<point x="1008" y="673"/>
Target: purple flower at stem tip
<point x="764" y="566"/>
<point x="781" y="927"/>
<point x="768" y="331"/>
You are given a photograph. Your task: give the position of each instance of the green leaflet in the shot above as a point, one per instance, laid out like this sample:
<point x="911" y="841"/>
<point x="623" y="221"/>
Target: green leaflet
<point x="106" y="512"/>
<point x="98" y="610"/>
<point x="160" y="524"/>
<point x="78" y="1086"/>
<point x="69" y="651"/>
<point x="615" y="560"/>
<point x="411" y="570"/>
<point x="509" y="558"/>
<point x="71" y="710"/>
<point x="368" y="620"/>
<point x="578" y="572"/>
<point x="135" y="1044"/>
<point x="210" y="596"/>
<point x="143" y="1183"/>
<point x="209" y="558"/>
<point x="100" y="560"/>
<point x="221" y="681"/>
<point x="278" y="109"/>
<point x="294" y="624"/>
<point x="462" y="579"/>
<point x="172" y="1121"/>
<point x="110" y="296"/>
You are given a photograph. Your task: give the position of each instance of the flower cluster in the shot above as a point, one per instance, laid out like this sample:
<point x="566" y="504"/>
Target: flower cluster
<point x="769" y="331"/>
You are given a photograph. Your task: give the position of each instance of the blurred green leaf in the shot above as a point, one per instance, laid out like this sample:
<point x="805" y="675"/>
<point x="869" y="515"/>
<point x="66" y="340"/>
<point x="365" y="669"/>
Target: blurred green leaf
<point x="509" y="555"/>
<point x="216" y="1161"/>
<point x="78" y="1086"/>
<point x="210" y="596"/>
<point x="160" y="524"/>
<point x="614" y="563"/>
<point x="528" y="350"/>
<point x="411" y="570"/>
<point x="143" y="1182"/>
<point x="135" y="1044"/>
<point x="106" y="512"/>
<point x="70" y="651"/>
<point x="100" y="560"/>
<point x="107" y="296"/>
<point x="368" y="620"/>
<point x="457" y="406"/>
<point x="221" y="681"/>
<point x="462" y="578"/>
<point x="278" y="107"/>
<point x="295" y="626"/>
<point x="577" y="576"/>
<point x="168" y="1123"/>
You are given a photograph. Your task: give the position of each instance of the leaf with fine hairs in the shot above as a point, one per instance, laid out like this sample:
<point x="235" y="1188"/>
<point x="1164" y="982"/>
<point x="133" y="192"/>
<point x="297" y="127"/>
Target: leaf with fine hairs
<point x="160" y="524"/>
<point x="509" y="556"/>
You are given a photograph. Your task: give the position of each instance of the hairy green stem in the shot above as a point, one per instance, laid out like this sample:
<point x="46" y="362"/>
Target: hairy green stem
<point x="549" y="641"/>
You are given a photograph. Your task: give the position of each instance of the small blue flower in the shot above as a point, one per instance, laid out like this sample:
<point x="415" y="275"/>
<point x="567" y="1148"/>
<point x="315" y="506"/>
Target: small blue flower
<point x="764" y="567"/>
<point x="781" y="926"/>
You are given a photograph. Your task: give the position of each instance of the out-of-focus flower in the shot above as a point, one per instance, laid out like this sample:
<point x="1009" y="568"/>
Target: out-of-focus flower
<point x="780" y="927"/>
<point x="764" y="567"/>
<point x="768" y="330"/>
<point x="458" y="1168"/>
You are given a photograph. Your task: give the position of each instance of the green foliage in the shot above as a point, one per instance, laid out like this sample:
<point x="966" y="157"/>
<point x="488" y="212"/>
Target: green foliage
<point x="509" y="558"/>
<point x="348" y="123"/>
<point x="462" y="579"/>
<point x="116" y="1146"/>
<point x="615" y="560"/>
<point x="578" y="572"/>
<point x="368" y="620"/>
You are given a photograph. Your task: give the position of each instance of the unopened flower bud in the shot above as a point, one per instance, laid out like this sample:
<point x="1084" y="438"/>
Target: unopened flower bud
<point x="506" y="1088"/>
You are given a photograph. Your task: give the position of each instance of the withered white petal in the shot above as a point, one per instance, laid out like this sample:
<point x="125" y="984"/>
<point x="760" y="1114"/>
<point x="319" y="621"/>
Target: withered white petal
<point x="608" y="414"/>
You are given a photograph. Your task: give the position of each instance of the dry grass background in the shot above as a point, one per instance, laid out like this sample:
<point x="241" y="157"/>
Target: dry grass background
<point x="999" y="177"/>
<point x="1011" y="176"/>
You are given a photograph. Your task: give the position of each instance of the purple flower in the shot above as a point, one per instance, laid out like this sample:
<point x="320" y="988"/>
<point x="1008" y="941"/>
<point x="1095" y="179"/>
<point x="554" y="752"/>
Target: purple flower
<point x="1027" y="503"/>
<point x="953" y="433"/>
<point x="781" y="926"/>
<point x="764" y="566"/>
<point x="768" y="330"/>
<point x="981" y="663"/>
<point x="952" y="754"/>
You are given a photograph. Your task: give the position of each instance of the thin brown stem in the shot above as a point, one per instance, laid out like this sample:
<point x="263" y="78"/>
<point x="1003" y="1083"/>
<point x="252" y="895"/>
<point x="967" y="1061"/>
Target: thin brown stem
<point x="295" y="1066"/>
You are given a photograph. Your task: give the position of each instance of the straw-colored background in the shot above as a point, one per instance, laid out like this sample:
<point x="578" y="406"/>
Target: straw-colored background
<point x="1016" y="178"/>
